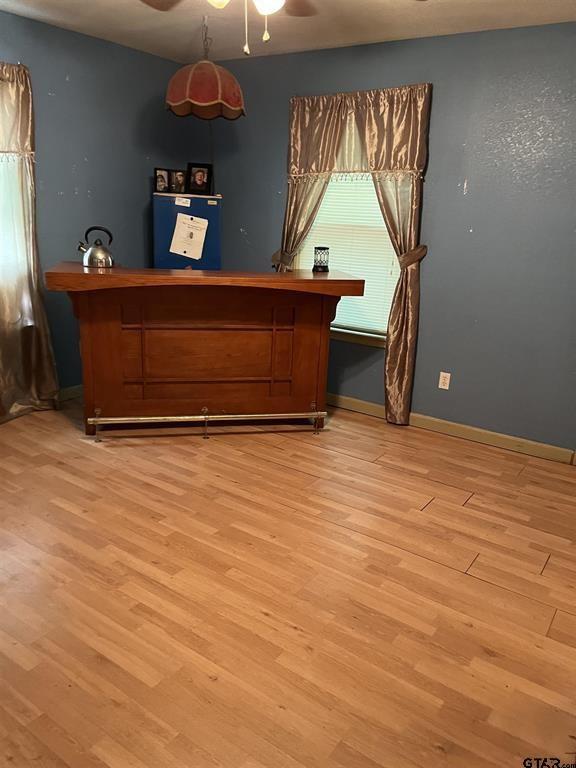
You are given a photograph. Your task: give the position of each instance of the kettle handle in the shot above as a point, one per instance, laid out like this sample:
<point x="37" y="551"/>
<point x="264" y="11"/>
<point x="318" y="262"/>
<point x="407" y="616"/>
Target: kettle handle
<point x="100" y="229"/>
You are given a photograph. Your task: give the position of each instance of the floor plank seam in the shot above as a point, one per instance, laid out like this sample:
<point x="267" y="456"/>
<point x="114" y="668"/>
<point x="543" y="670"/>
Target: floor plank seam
<point x="310" y="473"/>
<point x="513" y="592"/>
<point x="401" y="470"/>
<point x="382" y="541"/>
<point x="546" y="563"/>
<point x="334" y="524"/>
<point x="427" y="503"/>
<point x="476" y="556"/>
<point x="551" y="622"/>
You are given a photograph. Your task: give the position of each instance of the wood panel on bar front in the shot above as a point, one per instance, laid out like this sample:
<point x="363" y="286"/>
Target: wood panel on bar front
<point x="178" y="342"/>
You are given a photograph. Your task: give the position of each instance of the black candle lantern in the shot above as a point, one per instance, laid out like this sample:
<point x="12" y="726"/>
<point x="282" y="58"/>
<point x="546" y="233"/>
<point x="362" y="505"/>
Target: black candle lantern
<point x="321" y="256"/>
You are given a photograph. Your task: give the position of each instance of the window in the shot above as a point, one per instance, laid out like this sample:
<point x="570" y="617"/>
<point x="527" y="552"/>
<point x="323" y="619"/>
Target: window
<point x="350" y="223"/>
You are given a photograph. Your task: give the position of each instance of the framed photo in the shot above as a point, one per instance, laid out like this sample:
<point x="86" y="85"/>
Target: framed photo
<point x="199" y="179"/>
<point x="161" y="180"/>
<point x="177" y="178"/>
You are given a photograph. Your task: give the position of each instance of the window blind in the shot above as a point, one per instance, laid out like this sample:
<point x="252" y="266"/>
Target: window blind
<point x="350" y="223"/>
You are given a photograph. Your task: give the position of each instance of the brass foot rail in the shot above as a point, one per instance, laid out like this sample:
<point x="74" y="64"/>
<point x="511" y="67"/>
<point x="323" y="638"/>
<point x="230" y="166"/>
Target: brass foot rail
<point x="204" y="418"/>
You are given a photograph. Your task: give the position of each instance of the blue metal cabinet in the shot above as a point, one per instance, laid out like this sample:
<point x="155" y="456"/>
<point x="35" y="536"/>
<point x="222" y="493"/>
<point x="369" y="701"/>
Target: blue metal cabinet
<point x="166" y="209"/>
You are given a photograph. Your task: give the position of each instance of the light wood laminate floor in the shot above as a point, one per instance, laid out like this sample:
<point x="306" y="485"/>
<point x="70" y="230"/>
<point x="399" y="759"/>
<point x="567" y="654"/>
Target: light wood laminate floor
<point x="368" y="597"/>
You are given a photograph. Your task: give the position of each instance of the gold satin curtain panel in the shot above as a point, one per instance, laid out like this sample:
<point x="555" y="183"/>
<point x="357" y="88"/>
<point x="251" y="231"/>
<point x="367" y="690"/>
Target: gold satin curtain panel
<point x="27" y="374"/>
<point x="383" y="133"/>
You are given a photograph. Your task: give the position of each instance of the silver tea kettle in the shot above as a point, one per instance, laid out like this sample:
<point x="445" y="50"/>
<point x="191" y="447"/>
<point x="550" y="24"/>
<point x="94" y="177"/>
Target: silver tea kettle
<point x="96" y="255"/>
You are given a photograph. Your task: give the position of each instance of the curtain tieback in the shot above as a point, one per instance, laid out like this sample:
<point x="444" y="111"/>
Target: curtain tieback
<point x="281" y="257"/>
<point x="281" y="261"/>
<point x="412" y="257"/>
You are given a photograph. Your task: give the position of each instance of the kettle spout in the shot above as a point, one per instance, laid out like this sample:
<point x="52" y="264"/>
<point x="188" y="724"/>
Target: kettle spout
<point x="82" y="247"/>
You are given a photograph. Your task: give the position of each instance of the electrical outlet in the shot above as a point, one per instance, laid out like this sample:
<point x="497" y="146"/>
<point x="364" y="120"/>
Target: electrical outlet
<point x="444" y="380"/>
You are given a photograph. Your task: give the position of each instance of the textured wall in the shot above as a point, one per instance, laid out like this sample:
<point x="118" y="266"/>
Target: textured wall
<point x="101" y="127"/>
<point x="499" y="281"/>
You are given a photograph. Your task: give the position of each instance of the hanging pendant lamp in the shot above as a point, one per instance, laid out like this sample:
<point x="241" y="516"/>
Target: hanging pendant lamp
<point x="205" y="89"/>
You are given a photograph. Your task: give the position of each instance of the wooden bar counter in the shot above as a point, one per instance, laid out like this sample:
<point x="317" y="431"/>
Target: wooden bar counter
<point x="179" y="345"/>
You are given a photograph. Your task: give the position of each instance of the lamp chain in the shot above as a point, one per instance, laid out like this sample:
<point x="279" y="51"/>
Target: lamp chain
<point x="246" y="44"/>
<point x="206" y="39"/>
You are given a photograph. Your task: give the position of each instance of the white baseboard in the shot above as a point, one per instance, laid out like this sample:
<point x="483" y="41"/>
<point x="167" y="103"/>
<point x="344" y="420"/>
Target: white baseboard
<point x="476" y="434"/>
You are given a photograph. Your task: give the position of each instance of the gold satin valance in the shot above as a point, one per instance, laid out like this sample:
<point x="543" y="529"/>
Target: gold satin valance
<point x="351" y="176"/>
<point x="16" y="119"/>
<point x="387" y="137"/>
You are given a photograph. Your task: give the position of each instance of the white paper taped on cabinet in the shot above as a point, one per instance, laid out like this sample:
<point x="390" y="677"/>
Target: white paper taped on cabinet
<point x="189" y="235"/>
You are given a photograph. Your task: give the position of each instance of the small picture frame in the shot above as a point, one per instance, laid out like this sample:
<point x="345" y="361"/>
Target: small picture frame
<point x="199" y="179"/>
<point x="161" y="180"/>
<point x="177" y="178"/>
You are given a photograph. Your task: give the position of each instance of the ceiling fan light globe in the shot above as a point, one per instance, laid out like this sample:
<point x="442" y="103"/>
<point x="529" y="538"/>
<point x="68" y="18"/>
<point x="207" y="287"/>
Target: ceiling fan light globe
<point x="268" y="7"/>
<point x="219" y="3"/>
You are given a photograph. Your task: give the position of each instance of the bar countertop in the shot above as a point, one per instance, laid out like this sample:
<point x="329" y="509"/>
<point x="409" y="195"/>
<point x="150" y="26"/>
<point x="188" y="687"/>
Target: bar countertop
<point x="72" y="276"/>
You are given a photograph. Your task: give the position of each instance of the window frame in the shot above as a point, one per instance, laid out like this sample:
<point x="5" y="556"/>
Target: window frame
<point x="352" y="335"/>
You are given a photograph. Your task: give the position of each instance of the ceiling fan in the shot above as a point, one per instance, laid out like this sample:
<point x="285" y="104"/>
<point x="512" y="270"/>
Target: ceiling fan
<point x="264" y="7"/>
<point x="291" y="7"/>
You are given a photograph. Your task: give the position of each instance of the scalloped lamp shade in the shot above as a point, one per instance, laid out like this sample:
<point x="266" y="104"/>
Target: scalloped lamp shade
<point x="205" y="90"/>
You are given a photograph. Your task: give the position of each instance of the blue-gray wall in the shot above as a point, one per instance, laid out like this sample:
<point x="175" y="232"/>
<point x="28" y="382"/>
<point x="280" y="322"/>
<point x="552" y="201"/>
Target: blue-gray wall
<point x="101" y="127"/>
<point x="499" y="281"/>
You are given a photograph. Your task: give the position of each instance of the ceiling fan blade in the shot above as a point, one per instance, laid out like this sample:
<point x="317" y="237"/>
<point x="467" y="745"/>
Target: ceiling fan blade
<point x="300" y="8"/>
<point x="161" y="5"/>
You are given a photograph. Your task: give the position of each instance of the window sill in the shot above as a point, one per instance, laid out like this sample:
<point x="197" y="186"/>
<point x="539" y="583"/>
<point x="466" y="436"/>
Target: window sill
<point x="358" y="337"/>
